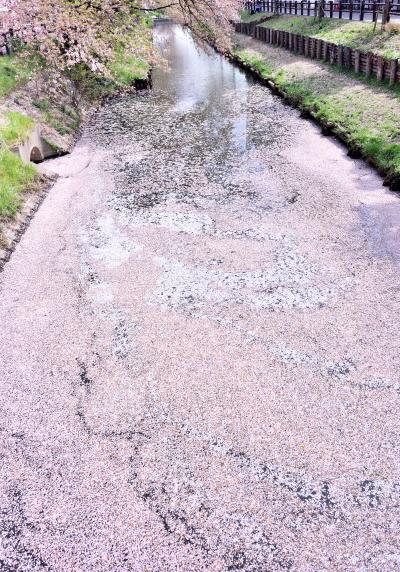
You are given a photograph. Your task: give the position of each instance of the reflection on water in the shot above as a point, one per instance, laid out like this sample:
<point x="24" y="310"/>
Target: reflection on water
<point x="195" y="78"/>
<point x="213" y="104"/>
<point x="204" y="129"/>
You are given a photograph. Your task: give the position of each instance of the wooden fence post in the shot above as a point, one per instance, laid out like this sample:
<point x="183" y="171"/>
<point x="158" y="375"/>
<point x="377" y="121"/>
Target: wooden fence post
<point x="368" y="65"/>
<point x="302" y="44"/>
<point x="374" y="15"/>
<point x="380" y="70"/>
<point x="340" y="55"/>
<point x="318" y="55"/>
<point x="325" y="51"/>
<point x="313" y="48"/>
<point x="357" y="60"/>
<point x="362" y="10"/>
<point x="332" y="53"/>
<point x="347" y="57"/>
<point x="393" y="71"/>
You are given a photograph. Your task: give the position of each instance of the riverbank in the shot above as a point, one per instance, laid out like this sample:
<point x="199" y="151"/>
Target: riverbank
<point x="363" y="115"/>
<point x="37" y="106"/>
<point x="362" y="36"/>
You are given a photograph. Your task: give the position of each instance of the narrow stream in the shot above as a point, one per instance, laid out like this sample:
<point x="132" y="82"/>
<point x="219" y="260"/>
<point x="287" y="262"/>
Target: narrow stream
<point x="205" y="115"/>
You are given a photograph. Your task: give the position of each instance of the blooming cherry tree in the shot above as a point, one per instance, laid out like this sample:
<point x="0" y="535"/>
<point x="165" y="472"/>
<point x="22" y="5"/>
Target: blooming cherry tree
<point x="69" y="32"/>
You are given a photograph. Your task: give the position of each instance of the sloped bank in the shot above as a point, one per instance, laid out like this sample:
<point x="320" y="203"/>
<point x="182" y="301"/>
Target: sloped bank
<point x="33" y="128"/>
<point x="362" y="115"/>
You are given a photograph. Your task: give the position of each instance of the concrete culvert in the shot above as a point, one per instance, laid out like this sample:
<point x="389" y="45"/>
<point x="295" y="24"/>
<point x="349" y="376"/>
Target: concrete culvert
<point x="36" y="155"/>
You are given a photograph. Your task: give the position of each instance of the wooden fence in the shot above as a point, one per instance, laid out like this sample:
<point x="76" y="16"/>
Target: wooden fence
<point x="351" y="10"/>
<point x="365" y="63"/>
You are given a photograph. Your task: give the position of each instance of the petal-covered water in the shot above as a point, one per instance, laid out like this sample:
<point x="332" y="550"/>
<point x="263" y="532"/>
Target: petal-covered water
<point x="199" y="333"/>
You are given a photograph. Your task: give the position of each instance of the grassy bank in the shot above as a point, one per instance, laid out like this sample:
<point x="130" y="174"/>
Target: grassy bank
<point x="356" y="35"/>
<point x="366" y="117"/>
<point x="25" y="102"/>
<point x="245" y="16"/>
<point x="15" y="176"/>
<point x="15" y="179"/>
<point x="14" y="72"/>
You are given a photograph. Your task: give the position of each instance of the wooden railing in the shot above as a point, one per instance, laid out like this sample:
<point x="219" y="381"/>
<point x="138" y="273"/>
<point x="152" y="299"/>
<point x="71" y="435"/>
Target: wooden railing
<point x="352" y="10"/>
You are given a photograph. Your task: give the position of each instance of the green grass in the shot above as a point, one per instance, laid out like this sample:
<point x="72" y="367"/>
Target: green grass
<point x="15" y="175"/>
<point x="356" y="35"/>
<point x="15" y="178"/>
<point x="60" y="126"/>
<point x="14" y="71"/>
<point x="245" y="16"/>
<point x="126" y="68"/>
<point x="15" y="127"/>
<point x="349" y="112"/>
<point x="42" y="104"/>
<point x="64" y="118"/>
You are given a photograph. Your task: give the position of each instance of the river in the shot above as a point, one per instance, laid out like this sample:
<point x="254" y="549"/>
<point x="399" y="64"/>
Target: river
<point x="199" y="342"/>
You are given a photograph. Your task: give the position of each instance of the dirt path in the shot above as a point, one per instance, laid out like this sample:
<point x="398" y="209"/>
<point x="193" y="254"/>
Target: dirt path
<point x="200" y="344"/>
